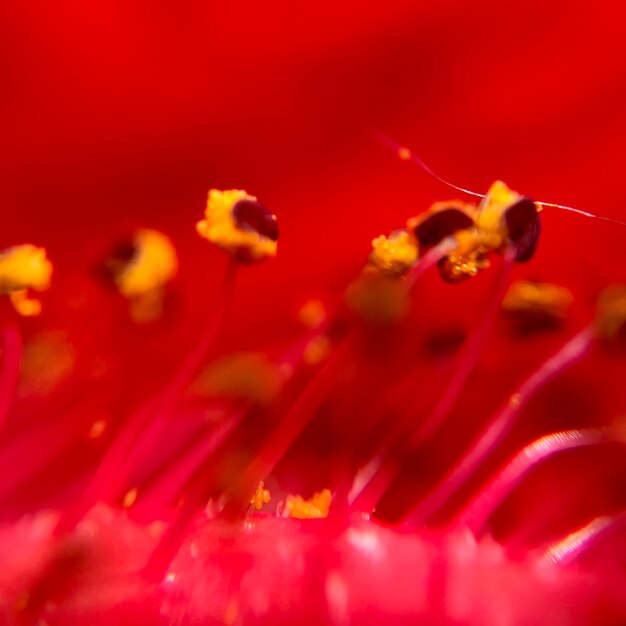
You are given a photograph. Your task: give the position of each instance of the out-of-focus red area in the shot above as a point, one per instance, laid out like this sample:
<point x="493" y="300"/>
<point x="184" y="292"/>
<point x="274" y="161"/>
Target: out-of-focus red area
<point x="130" y="110"/>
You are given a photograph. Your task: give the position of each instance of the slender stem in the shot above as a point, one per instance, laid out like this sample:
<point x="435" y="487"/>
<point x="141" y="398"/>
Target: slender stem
<point x="11" y="344"/>
<point x="170" y="484"/>
<point x="477" y="513"/>
<point x="385" y="469"/>
<point x="286" y="433"/>
<point x="316" y="393"/>
<point x="294" y="422"/>
<point x="147" y="423"/>
<point x="498" y="426"/>
<point x="430" y="259"/>
<point x="577" y="543"/>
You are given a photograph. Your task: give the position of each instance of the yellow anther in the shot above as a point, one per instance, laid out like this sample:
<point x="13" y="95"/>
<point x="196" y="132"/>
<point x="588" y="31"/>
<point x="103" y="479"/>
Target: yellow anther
<point x="142" y="278"/>
<point x="130" y="498"/>
<point x="261" y="497"/>
<point x="25" y="305"/>
<point x="244" y="376"/>
<point x="24" y="267"/>
<point x="316" y="506"/>
<point x="378" y="299"/>
<point x="312" y="313"/>
<point x="610" y="322"/>
<point x="489" y="218"/>
<point x="21" y="268"/>
<point x="153" y="264"/>
<point x="395" y="254"/>
<point x="249" y="237"/>
<point x="538" y="299"/>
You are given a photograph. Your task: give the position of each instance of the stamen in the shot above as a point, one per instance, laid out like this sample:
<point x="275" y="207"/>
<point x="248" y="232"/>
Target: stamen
<point x="114" y="467"/>
<point x="293" y="424"/>
<point x="198" y="455"/>
<point x="405" y="154"/>
<point x="144" y="428"/>
<point x="442" y="220"/>
<point x="142" y="275"/>
<point x="247" y="376"/>
<point x="534" y="303"/>
<point x="378" y="300"/>
<point x="236" y="222"/>
<point x="611" y="318"/>
<point x="477" y="513"/>
<point x="317" y="506"/>
<point x="394" y="255"/>
<point x="498" y="427"/>
<point x="381" y="475"/>
<point x="22" y="268"/>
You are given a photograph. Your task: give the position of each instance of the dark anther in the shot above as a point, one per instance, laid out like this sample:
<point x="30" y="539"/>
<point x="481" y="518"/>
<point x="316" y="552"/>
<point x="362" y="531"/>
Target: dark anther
<point x="251" y="215"/>
<point x="447" y="271"/>
<point x="436" y="226"/>
<point x="524" y="227"/>
<point x="123" y="252"/>
<point x="118" y="258"/>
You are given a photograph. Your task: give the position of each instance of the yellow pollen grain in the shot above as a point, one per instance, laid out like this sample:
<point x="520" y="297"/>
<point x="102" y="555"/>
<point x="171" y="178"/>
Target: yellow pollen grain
<point x="378" y="299"/>
<point x="539" y="298"/>
<point x="24" y="267"/>
<point x="97" y="428"/>
<point x="610" y="320"/>
<point x="312" y="313"/>
<point x="220" y="227"/>
<point x="130" y="498"/>
<point x="317" y="506"/>
<point x="261" y="497"/>
<point x="24" y="304"/>
<point x="492" y="229"/>
<point x="244" y="376"/>
<point x="395" y="254"/>
<point x="142" y="279"/>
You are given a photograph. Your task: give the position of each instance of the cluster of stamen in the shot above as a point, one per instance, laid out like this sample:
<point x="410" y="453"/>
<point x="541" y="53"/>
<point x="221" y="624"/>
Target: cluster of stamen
<point x="504" y="220"/>
<point x="457" y="237"/>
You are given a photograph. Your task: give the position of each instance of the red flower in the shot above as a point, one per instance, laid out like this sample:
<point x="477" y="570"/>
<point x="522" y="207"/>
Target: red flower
<point x="120" y="117"/>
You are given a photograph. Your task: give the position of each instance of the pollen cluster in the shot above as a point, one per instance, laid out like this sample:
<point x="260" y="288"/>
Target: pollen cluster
<point x="503" y="221"/>
<point x="22" y="268"/>
<point x="234" y="221"/>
